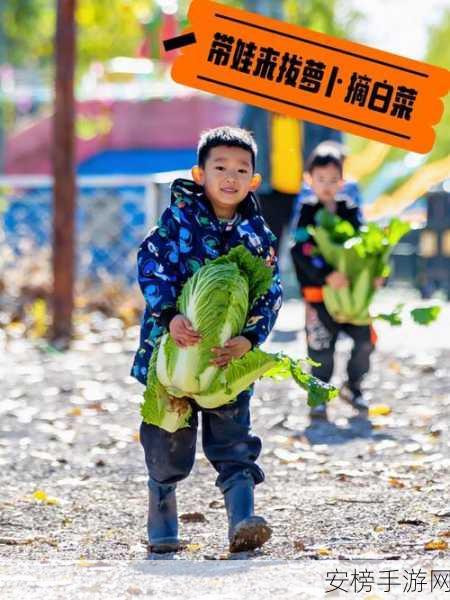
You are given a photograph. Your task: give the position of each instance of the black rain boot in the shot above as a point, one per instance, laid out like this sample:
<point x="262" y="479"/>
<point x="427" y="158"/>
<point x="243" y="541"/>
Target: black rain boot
<point x="245" y="530"/>
<point x="352" y="394"/>
<point x="162" y="523"/>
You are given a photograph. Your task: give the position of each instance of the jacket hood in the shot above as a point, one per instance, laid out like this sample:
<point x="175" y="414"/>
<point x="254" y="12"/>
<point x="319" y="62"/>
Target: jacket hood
<point x="189" y="190"/>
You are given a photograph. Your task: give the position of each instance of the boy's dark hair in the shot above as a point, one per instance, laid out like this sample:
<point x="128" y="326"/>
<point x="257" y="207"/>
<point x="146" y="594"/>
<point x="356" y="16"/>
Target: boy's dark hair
<point x="225" y="136"/>
<point x="321" y="157"/>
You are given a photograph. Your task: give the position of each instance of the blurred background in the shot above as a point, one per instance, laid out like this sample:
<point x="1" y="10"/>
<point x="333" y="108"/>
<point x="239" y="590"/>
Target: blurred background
<point x="136" y="130"/>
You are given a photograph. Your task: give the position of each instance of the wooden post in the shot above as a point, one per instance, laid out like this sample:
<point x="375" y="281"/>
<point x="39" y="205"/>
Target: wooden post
<point x="64" y="175"/>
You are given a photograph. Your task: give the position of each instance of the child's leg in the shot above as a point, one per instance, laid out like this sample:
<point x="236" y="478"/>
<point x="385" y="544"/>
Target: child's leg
<point x="169" y="458"/>
<point x="228" y="444"/>
<point x="359" y="362"/>
<point x="321" y="336"/>
<point x="232" y="450"/>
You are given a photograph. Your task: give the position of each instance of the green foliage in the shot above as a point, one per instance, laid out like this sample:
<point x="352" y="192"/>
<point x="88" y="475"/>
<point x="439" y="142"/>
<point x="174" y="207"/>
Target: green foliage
<point x="438" y="53"/>
<point x="105" y="28"/>
<point x="332" y="17"/>
<point x="393" y="318"/>
<point x="426" y="314"/>
<point x="327" y="16"/>
<point x="108" y="28"/>
<point x="28" y="29"/>
<point x="362" y="256"/>
<point x="216" y="300"/>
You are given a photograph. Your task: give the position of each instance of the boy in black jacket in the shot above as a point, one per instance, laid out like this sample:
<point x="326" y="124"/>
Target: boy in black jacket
<point x="324" y="176"/>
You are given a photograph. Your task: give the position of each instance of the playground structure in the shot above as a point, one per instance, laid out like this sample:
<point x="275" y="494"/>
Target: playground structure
<point x="126" y="151"/>
<point x="103" y="126"/>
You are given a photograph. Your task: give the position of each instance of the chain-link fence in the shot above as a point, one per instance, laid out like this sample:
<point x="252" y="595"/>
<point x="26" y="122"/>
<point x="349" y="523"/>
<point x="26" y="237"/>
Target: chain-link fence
<point x="113" y="216"/>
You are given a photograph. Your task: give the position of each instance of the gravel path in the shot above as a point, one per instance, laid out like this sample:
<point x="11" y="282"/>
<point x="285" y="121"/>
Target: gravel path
<point x="74" y="483"/>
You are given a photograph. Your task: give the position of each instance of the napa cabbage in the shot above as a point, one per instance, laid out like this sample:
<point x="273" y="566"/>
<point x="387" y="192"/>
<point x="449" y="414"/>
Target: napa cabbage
<point x="217" y="300"/>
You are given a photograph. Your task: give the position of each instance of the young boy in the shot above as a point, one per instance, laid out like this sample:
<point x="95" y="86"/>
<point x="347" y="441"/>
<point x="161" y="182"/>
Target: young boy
<point x="206" y="218"/>
<point x="324" y="176"/>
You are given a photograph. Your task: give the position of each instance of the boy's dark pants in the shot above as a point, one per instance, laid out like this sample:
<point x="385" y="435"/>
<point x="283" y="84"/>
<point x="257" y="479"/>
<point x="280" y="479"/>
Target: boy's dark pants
<point x="227" y="444"/>
<point x="321" y="335"/>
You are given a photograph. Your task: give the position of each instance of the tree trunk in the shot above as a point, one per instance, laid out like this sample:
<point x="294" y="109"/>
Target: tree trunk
<point x="64" y="175"/>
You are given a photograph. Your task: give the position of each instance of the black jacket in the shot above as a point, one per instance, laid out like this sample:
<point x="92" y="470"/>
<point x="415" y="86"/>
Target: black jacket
<point x="311" y="268"/>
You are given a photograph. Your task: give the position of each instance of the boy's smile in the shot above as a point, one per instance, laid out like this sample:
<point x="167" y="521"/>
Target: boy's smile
<point x="227" y="177"/>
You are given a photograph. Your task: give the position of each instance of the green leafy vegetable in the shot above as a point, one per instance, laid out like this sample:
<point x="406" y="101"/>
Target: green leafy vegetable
<point x="422" y="316"/>
<point x="394" y="318"/>
<point x="216" y="300"/>
<point x="425" y="315"/>
<point x="362" y="256"/>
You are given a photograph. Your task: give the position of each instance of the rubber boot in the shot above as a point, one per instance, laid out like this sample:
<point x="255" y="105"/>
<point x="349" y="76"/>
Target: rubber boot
<point x="245" y="530"/>
<point x="162" y="523"/>
<point x="353" y="395"/>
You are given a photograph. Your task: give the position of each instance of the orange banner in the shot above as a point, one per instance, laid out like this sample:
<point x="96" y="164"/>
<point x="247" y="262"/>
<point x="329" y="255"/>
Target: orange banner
<point x="308" y="75"/>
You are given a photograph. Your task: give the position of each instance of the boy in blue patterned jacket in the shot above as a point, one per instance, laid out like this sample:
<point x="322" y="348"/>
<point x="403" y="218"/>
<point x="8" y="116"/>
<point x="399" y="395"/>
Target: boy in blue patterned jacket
<point x="206" y="218"/>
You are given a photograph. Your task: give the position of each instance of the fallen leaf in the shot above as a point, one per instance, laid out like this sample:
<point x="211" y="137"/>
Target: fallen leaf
<point x="134" y="590"/>
<point x="395" y="366"/>
<point x="416" y="522"/>
<point x="74" y="412"/>
<point x="194" y="517"/>
<point x="42" y="496"/>
<point x="193" y="547"/>
<point x="396" y="483"/>
<point x="436" y="545"/>
<point x="97" y="406"/>
<point x="444" y="533"/>
<point x="39" y="314"/>
<point x="443" y="514"/>
<point x="26" y="541"/>
<point x="324" y="551"/>
<point x="286" y="456"/>
<point x="15" y="541"/>
<point x="299" y="545"/>
<point x="86" y="563"/>
<point x="379" y="410"/>
<point x="136" y="436"/>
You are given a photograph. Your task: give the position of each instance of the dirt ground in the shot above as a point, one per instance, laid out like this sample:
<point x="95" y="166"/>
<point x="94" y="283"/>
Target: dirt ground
<point x="73" y="478"/>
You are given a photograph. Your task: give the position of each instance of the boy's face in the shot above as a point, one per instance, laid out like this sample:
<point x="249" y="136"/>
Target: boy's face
<point x="227" y="177"/>
<point x="325" y="182"/>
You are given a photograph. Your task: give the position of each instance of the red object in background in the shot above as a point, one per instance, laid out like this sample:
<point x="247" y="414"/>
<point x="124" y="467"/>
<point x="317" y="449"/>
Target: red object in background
<point x="168" y="30"/>
<point x="143" y="50"/>
<point x="153" y="123"/>
<point x="308" y="249"/>
<point x="162" y="28"/>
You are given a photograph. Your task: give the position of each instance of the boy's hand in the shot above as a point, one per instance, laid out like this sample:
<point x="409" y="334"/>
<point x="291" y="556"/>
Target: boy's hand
<point x="182" y="332"/>
<point x="234" y="348"/>
<point x="337" y="280"/>
<point x="378" y="282"/>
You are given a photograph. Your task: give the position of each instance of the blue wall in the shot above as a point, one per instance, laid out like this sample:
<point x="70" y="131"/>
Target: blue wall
<point x="137" y="162"/>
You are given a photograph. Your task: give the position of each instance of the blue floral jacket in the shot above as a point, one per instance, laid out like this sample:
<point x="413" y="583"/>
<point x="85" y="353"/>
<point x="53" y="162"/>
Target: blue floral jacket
<point x="188" y="233"/>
